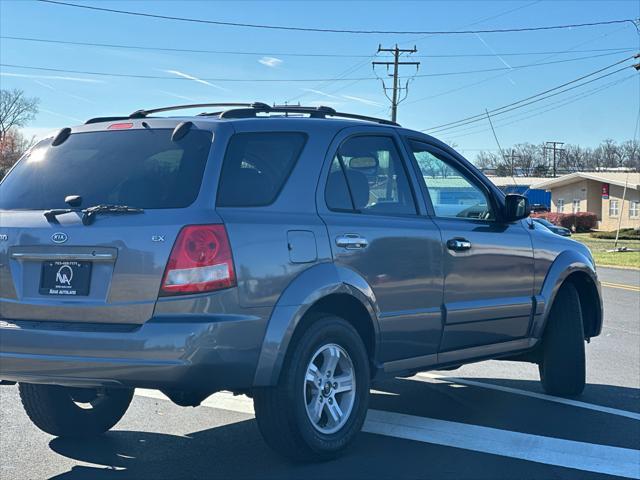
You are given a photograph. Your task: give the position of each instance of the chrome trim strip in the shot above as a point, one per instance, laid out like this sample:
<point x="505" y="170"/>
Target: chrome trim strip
<point x="95" y="257"/>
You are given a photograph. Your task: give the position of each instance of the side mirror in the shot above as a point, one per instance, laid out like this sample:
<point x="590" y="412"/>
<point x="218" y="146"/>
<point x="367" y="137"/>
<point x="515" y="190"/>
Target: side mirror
<point x="516" y="207"/>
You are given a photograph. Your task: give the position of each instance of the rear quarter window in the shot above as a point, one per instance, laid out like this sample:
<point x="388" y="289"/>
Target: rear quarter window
<point x="256" y="167"/>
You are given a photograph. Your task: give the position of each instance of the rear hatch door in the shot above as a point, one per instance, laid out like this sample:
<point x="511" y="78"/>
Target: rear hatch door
<point x="108" y="270"/>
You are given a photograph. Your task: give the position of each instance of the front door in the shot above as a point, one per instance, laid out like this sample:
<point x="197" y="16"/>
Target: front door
<point x="377" y="229"/>
<point x="488" y="264"/>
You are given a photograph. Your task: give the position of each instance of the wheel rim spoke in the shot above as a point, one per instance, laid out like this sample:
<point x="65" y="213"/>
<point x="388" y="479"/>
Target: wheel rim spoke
<point x="331" y="359"/>
<point x="344" y="382"/>
<point x="313" y="375"/>
<point x="335" y="412"/>
<point x="316" y="407"/>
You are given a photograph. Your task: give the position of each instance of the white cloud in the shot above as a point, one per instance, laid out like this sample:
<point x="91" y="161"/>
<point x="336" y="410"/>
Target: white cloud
<point x="175" y="95"/>
<point x="270" y="61"/>
<point x="319" y="92"/>
<point x="196" y="79"/>
<point x="363" y="100"/>
<point x="61" y="115"/>
<point x="50" y="77"/>
<point x="53" y="89"/>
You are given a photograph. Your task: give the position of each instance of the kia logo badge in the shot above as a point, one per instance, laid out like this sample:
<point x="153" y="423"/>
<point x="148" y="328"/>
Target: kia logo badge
<point x="59" y="237"/>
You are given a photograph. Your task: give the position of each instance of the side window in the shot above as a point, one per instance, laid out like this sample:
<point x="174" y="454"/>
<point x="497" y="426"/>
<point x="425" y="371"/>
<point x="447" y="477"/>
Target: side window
<point x="256" y="166"/>
<point x="367" y="175"/>
<point x="452" y="194"/>
<point x="337" y="192"/>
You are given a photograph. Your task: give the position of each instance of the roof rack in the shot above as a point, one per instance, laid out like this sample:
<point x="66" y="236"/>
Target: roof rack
<point x="313" y="112"/>
<point x="249" y="110"/>
<point x="145" y="113"/>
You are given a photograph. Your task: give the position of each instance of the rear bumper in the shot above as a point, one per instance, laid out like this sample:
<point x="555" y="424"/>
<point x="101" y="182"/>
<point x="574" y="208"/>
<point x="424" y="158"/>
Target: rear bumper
<point x="205" y="353"/>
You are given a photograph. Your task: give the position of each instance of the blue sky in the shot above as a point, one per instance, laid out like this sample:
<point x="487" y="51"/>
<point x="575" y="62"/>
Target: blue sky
<point x="604" y="109"/>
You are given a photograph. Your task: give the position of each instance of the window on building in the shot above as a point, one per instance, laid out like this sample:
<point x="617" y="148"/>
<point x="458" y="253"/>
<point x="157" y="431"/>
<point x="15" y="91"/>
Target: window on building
<point x="560" y="205"/>
<point x="613" y="208"/>
<point x="634" y="209"/>
<point x="576" y="206"/>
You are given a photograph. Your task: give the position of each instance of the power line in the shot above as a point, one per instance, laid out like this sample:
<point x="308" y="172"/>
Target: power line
<point x="493" y="77"/>
<point x="339" y="78"/>
<point x="335" y="30"/>
<point x="293" y="54"/>
<point x="185" y="50"/>
<point x="545" y="108"/>
<point x="480" y="116"/>
<point x="522" y="115"/>
<point x="501" y="112"/>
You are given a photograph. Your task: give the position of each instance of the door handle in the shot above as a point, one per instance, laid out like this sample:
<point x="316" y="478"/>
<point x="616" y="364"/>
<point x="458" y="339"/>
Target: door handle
<point x="458" y="244"/>
<point x="351" y="241"/>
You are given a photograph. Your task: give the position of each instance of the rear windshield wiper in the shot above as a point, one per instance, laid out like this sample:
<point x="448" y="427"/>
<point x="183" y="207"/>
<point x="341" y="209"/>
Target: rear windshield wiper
<point x="89" y="214"/>
<point x="53" y="213"/>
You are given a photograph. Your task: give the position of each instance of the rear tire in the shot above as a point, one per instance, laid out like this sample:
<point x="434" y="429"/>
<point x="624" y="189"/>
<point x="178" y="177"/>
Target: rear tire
<point x="74" y="412"/>
<point x="321" y="400"/>
<point x="562" y="366"/>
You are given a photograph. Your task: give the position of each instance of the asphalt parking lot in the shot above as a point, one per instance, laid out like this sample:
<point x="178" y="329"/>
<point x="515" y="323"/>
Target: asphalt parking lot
<point x="486" y="420"/>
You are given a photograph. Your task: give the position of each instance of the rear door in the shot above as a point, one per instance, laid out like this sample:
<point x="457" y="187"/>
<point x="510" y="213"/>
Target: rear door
<point x="60" y="269"/>
<point x="488" y="264"/>
<point x="368" y="201"/>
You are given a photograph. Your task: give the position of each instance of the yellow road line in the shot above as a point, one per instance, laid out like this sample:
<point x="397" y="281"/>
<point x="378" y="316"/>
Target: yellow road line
<point x="621" y="286"/>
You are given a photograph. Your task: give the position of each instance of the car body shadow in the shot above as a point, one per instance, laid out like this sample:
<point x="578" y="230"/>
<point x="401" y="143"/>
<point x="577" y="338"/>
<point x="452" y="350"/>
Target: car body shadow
<point x="236" y="450"/>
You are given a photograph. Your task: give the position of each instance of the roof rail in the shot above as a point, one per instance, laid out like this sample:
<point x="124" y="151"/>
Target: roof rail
<point x="144" y="113"/>
<point x="313" y="112"/>
<point x="249" y="110"/>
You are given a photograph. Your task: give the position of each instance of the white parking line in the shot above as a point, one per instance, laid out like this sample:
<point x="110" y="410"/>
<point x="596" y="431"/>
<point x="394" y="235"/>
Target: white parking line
<point x="535" y="448"/>
<point x="584" y="456"/>
<point x="526" y="393"/>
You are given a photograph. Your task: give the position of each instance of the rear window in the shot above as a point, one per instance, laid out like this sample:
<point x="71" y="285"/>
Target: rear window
<point x="139" y="168"/>
<point x="256" y="166"/>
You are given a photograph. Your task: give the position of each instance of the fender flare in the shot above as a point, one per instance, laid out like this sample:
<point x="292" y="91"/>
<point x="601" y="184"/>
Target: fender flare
<point x="565" y="264"/>
<point x="300" y="295"/>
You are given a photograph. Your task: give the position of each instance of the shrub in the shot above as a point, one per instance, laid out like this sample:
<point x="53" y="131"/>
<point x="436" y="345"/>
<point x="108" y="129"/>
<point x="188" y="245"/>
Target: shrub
<point x="625" y="234"/>
<point x="578" y="222"/>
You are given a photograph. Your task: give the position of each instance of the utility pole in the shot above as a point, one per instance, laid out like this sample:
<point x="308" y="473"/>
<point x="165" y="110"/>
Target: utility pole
<point x="396" y="65"/>
<point x="553" y="146"/>
<point x="512" y="156"/>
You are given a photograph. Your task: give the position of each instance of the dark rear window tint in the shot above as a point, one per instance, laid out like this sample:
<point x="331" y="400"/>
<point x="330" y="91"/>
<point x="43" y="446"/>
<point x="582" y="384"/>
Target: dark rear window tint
<point x="139" y="168"/>
<point x="256" y="166"/>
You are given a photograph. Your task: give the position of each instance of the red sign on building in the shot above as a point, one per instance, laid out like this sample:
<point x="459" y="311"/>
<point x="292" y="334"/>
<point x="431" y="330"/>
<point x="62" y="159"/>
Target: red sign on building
<point x="605" y="191"/>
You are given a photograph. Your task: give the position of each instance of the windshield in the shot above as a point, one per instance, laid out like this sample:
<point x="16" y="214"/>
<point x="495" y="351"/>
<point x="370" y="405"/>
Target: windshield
<point x="139" y="168"/>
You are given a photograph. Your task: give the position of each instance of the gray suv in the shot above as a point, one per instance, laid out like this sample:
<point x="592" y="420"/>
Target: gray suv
<point x="291" y="254"/>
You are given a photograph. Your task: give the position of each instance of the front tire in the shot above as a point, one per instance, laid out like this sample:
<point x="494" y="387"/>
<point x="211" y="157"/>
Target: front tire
<point x="562" y="366"/>
<point x="321" y="400"/>
<point x="74" y="412"/>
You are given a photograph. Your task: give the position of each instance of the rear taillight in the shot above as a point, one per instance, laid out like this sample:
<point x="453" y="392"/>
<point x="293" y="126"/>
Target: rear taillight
<point x="200" y="261"/>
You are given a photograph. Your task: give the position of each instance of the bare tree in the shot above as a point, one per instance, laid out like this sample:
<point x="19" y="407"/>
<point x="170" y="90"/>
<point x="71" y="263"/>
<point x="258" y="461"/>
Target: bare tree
<point x="15" y="110"/>
<point x="12" y="146"/>
<point x="529" y="160"/>
<point x="630" y="153"/>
